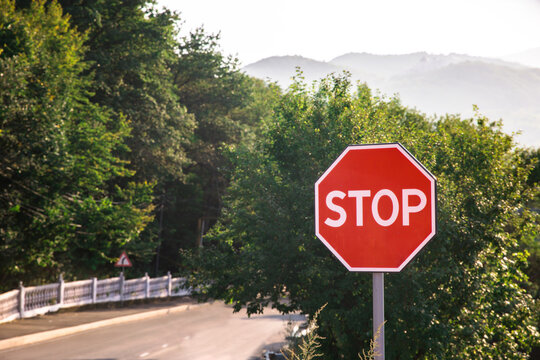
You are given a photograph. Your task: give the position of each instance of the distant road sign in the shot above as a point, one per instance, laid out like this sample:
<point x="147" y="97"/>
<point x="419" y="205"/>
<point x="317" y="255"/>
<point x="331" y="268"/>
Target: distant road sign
<point x="123" y="261"/>
<point x="375" y="207"/>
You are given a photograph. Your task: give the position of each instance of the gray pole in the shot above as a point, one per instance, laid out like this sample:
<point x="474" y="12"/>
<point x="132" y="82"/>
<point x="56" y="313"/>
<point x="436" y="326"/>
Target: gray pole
<point x="378" y="314"/>
<point x="121" y="286"/>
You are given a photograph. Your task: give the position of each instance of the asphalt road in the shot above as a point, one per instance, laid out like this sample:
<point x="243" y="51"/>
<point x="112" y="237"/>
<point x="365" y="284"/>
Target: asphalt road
<point x="209" y="331"/>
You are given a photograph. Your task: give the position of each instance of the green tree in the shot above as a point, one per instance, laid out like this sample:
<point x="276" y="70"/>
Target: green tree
<point x="229" y="108"/>
<point x="59" y="209"/>
<point x="200" y="197"/>
<point x="185" y="102"/>
<point x="213" y="89"/>
<point x="132" y="48"/>
<point x="463" y="297"/>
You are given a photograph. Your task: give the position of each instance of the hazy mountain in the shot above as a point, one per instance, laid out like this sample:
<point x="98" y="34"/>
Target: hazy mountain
<point x="392" y="65"/>
<point x="283" y="68"/>
<point x="433" y="83"/>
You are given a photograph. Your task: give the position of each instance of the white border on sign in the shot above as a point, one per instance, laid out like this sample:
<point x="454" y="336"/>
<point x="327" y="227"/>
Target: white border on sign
<point x="419" y="166"/>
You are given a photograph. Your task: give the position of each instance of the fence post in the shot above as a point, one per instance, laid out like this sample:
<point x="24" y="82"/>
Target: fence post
<point x="121" y="285"/>
<point x="94" y="290"/>
<point x="21" y="299"/>
<point x="61" y="287"/>
<point x="169" y="284"/>
<point x="147" y="286"/>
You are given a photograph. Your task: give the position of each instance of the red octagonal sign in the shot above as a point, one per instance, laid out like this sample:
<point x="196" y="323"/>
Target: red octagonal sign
<point x="375" y="207"/>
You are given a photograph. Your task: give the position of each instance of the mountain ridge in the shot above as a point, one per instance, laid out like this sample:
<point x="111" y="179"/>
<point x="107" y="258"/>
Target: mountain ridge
<point x="431" y="83"/>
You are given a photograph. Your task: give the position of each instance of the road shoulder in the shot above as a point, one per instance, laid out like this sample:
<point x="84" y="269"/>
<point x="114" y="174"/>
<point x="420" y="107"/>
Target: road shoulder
<point x="53" y="325"/>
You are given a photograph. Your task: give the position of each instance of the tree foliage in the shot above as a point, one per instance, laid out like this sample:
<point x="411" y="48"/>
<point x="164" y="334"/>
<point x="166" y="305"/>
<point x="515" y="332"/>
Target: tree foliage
<point x="120" y="127"/>
<point x="58" y="209"/>
<point x="131" y="49"/>
<point x="185" y="102"/>
<point x="229" y="108"/>
<point x="463" y="297"/>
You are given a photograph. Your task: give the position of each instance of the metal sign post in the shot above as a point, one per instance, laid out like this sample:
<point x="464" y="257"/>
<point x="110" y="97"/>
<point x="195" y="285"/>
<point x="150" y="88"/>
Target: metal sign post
<point x="378" y="315"/>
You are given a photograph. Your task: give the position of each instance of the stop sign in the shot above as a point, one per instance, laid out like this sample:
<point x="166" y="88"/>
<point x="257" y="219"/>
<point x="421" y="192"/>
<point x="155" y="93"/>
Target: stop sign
<point x="375" y="207"/>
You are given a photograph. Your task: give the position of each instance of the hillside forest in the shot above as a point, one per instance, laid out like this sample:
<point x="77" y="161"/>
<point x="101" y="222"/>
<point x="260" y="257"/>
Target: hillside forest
<point x="119" y="134"/>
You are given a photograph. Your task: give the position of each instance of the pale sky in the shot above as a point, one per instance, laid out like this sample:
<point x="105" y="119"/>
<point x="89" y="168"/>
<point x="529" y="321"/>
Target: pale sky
<point x="322" y="30"/>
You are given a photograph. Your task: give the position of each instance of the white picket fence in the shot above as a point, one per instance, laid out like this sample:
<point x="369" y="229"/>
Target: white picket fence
<point x="36" y="300"/>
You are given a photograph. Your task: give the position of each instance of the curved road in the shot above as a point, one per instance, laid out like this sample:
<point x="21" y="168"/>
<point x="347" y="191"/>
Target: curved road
<point x="208" y="331"/>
